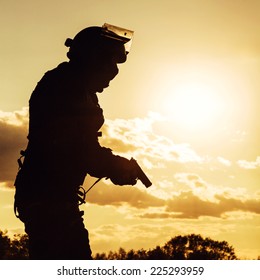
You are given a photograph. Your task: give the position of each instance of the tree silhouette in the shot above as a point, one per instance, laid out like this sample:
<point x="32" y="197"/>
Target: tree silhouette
<point x="4" y="245"/>
<point x="19" y="247"/>
<point x="187" y="247"/>
<point x="13" y="249"/>
<point x="156" y="254"/>
<point x="195" y="247"/>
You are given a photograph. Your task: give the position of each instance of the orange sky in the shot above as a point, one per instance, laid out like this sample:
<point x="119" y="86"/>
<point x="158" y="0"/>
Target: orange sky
<point x="185" y="105"/>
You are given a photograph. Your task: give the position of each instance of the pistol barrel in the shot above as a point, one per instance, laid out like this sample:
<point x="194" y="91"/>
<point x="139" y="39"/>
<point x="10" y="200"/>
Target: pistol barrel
<point x="141" y="175"/>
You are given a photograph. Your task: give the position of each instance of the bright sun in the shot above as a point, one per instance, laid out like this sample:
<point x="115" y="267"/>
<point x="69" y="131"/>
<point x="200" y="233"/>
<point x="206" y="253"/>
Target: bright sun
<point x="197" y="100"/>
<point x="195" y="105"/>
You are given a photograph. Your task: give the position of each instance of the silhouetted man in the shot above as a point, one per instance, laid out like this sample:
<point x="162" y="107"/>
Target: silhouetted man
<point x="65" y="119"/>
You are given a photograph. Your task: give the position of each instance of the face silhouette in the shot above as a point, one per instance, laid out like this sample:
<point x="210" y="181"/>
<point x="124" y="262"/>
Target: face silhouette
<point x="104" y="71"/>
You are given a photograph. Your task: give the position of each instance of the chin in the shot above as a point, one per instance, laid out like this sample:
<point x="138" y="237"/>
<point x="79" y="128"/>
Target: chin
<point x="100" y="90"/>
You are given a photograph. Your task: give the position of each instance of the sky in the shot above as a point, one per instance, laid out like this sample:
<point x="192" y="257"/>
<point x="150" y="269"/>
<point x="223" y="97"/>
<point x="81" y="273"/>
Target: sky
<point x="185" y="106"/>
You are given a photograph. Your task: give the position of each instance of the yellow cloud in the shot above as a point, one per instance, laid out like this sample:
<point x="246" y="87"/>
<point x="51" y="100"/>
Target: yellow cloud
<point x="19" y="118"/>
<point x="249" y="164"/>
<point x="224" y="161"/>
<point x="13" y="130"/>
<point x="137" y="136"/>
<point x="192" y="207"/>
<point x="118" y="196"/>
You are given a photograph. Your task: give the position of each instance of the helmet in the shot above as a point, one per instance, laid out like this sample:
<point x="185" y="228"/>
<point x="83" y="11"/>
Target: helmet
<point x="103" y="41"/>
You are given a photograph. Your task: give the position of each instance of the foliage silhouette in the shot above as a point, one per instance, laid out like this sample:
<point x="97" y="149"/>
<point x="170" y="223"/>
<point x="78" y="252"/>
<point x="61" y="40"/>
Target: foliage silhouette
<point x="13" y="249"/>
<point x="187" y="247"/>
<point x="195" y="247"/>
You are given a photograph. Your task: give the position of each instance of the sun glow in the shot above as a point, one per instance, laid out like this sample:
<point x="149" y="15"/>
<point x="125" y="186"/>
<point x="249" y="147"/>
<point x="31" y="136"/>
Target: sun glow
<point x="197" y="100"/>
<point x="195" y="105"/>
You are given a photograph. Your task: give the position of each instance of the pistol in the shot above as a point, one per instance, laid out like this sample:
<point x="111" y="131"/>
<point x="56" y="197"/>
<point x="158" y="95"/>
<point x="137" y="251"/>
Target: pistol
<point x="140" y="174"/>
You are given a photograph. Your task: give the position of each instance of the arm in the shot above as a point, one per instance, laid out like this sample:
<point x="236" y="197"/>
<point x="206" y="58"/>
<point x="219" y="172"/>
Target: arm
<point x="103" y="163"/>
<point x="120" y="170"/>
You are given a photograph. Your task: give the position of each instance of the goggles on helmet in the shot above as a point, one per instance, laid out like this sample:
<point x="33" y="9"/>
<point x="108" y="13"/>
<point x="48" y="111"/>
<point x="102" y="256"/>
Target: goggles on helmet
<point x="118" y="33"/>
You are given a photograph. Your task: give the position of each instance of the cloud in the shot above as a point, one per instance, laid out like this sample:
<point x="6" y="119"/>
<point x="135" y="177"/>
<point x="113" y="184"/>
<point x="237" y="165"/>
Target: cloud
<point x="238" y="215"/>
<point x="148" y="234"/>
<point x="192" y="207"/>
<point x="208" y="191"/>
<point x="137" y="137"/>
<point x="232" y="204"/>
<point x="191" y="197"/>
<point x="195" y="183"/>
<point x="249" y="164"/>
<point x="164" y="215"/>
<point x="18" y="118"/>
<point x="121" y="195"/>
<point x="224" y="161"/>
<point x="13" y="130"/>
<point x="113" y="236"/>
<point x="133" y="137"/>
<point x="182" y="205"/>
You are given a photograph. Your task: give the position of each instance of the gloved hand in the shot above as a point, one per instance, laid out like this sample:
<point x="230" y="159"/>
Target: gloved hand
<point x="124" y="172"/>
